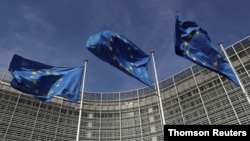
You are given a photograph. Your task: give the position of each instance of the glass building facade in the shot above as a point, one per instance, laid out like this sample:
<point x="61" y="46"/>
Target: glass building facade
<point x="192" y="96"/>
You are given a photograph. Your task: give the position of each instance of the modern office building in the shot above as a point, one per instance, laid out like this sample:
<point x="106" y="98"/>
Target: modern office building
<point x="192" y="96"/>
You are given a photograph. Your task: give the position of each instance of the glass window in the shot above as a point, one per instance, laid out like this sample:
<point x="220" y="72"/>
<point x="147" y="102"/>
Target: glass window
<point x="163" y="84"/>
<point x="195" y="69"/>
<point x="123" y="95"/>
<point x="230" y="51"/>
<point x="21" y="100"/>
<point x="104" y="96"/>
<point x="233" y="58"/>
<point x="87" y="95"/>
<point x="177" y="78"/>
<point x="92" y="96"/>
<point x="64" y="111"/>
<point x="128" y="94"/>
<point x="245" y="42"/>
<point x="188" y="72"/>
<point x="170" y="81"/>
<point x="98" y="96"/>
<point x="134" y="93"/>
<point x="242" y="54"/>
<point x="238" y="47"/>
<point x="116" y="96"/>
<point x="248" y="67"/>
<point x="110" y="96"/>
<point x="116" y="114"/>
<point x="36" y="104"/>
<point x="6" y="97"/>
<point x="141" y="92"/>
<point x="183" y="75"/>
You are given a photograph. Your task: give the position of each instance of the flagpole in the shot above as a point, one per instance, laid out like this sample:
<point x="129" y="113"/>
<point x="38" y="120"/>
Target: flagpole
<point x="241" y="85"/>
<point x="80" y="110"/>
<point x="158" y="90"/>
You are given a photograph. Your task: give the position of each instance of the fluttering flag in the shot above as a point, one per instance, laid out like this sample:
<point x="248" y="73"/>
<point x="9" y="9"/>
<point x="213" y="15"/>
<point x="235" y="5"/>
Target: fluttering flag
<point x="193" y="43"/>
<point x="121" y="53"/>
<point x="44" y="81"/>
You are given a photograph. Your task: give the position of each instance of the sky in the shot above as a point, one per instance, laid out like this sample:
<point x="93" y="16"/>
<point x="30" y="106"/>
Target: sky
<point x="55" y="32"/>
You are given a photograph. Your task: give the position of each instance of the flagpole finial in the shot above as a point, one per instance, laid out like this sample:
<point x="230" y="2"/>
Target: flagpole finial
<point x="219" y="43"/>
<point x="152" y="51"/>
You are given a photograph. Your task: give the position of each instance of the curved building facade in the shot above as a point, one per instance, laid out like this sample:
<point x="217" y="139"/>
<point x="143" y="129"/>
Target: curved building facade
<point x="192" y="96"/>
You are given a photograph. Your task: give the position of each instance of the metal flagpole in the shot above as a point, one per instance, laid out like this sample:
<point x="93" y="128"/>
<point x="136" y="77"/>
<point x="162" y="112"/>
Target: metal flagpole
<point x="242" y="87"/>
<point x="80" y="110"/>
<point x="158" y="90"/>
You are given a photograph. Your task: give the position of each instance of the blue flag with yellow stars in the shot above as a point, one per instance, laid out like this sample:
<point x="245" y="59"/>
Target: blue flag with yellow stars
<point x="43" y="81"/>
<point x="121" y="53"/>
<point x="193" y="43"/>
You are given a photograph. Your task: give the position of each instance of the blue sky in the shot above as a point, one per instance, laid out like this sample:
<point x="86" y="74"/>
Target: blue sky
<point x="55" y="32"/>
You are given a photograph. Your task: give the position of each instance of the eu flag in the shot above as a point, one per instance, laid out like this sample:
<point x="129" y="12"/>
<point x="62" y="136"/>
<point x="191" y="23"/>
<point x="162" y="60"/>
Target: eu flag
<point x="44" y="81"/>
<point x="193" y="43"/>
<point x="121" y="53"/>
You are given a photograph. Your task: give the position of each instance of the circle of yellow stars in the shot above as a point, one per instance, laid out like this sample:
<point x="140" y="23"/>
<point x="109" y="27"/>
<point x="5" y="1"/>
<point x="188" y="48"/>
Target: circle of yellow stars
<point x="187" y="52"/>
<point x="114" y="58"/>
<point x="33" y="78"/>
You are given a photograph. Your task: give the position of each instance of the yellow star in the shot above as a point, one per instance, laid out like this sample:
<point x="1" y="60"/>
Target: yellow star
<point x="47" y="72"/>
<point x="130" y="68"/>
<point x="131" y="56"/>
<point x="110" y="48"/>
<point x="37" y="91"/>
<point x="218" y="56"/>
<point x="185" y="43"/>
<point x="113" y="58"/>
<point x="55" y="73"/>
<point x="194" y="58"/>
<point x="111" y="39"/>
<point x="187" y="52"/>
<point x="129" y="48"/>
<point x="32" y="74"/>
<point x="215" y="64"/>
<point x="197" y="31"/>
<point x="190" y="36"/>
<point x="34" y="82"/>
<point x="57" y="85"/>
